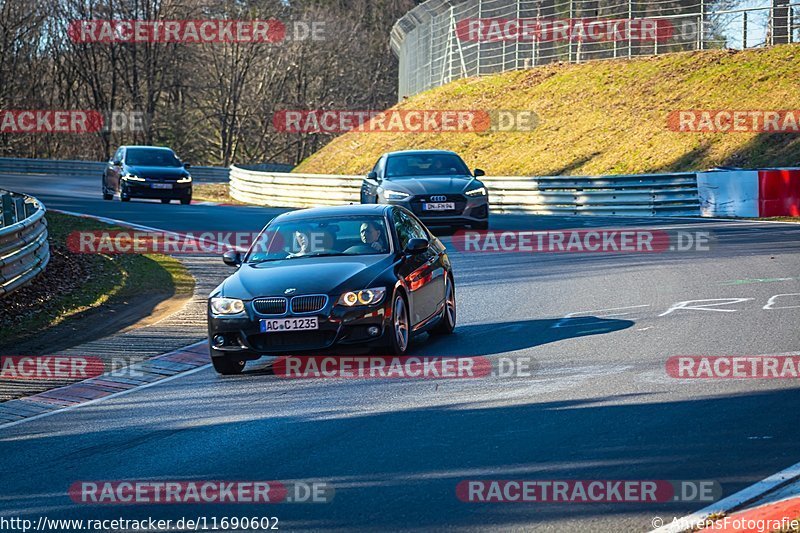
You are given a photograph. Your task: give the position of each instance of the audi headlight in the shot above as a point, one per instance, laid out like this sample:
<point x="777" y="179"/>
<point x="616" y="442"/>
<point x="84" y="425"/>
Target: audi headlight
<point x="226" y="306"/>
<point x="365" y="297"/>
<point x="395" y="195"/>
<point x="185" y="179"/>
<point x="480" y="191"/>
<point x="132" y="177"/>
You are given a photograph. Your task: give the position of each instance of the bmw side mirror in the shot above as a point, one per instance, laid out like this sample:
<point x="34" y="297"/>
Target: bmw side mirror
<point x="373" y="176"/>
<point x="187" y="165"/>
<point x="117" y="163"/>
<point x="416" y="246"/>
<point x="478" y="173"/>
<point x="232" y="258"/>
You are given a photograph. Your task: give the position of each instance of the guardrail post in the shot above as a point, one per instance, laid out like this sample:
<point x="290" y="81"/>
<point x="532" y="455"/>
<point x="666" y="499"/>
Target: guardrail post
<point x="8" y="210"/>
<point x="19" y="208"/>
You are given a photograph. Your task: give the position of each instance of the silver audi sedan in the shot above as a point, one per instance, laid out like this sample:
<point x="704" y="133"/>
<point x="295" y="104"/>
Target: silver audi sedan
<point x="436" y="185"/>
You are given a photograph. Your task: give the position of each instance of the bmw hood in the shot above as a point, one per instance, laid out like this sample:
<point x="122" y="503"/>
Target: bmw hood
<point x="423" y="185"/>
<point x="322" y="275"/>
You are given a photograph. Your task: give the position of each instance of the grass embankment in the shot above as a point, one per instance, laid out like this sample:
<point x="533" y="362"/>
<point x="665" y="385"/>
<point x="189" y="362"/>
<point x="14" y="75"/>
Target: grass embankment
<point x="75" y="288"/>
<point x="214" y="192"/>
<point x="603" y="117"/>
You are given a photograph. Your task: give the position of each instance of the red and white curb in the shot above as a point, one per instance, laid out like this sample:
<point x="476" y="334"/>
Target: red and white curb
<point x="735" y="502"/>
<point x="159" y="369"/>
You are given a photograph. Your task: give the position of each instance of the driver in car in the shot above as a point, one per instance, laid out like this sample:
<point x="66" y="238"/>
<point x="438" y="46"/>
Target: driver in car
<point x="372" y="236"/>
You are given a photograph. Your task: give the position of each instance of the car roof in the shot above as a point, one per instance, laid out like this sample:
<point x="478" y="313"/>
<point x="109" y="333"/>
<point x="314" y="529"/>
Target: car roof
<point x="421" y="152"/>
<point x="334" y="211"/>
<point x="149" y="147"/>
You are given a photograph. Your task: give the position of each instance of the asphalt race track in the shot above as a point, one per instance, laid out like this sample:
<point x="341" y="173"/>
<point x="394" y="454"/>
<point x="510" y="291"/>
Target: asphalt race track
<point x="599" y="405"/>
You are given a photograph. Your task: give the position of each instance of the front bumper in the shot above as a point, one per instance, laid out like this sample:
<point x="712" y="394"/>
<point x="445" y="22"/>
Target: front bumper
<point x="145" y="189"/>
<point x="468" y="210"/>
<point x="338" y="326"/>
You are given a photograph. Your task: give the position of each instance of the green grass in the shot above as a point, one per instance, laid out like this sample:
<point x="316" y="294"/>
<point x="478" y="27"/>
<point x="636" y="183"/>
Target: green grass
<point x="75" y="283"/>
<point x="603" y="117"/>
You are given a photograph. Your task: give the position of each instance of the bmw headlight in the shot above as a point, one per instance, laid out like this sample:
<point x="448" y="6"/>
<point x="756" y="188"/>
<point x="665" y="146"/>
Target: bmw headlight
<point x="227" y="306"/>
<point x="395" y="195"/>
<point x="480" y="191"/>
<point x="365" y="297"/>
<point x="132" y="177"/>
<point x="185" y="179"/>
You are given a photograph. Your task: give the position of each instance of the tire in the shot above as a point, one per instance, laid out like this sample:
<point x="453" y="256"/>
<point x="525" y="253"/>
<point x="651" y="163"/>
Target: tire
<point x="165" y="200"/>
<point x="400" y="331"/>
<point x="124" y="195"/>
<point x="481" y="226"/>
<point x="226" y="366"/>
<point x="447" y="324"/>
<point x="106" y="194"/>
<point x="186" y="201"/>
<point x="125" y="198"/>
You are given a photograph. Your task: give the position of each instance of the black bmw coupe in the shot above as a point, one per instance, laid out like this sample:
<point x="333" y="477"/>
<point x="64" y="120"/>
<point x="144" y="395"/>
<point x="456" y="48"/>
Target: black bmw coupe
<point x="359" y="275"/>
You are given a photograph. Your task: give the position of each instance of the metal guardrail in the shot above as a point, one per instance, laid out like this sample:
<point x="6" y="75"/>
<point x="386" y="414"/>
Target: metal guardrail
<point x="635" y="195"/>
<point x="276" y="189"/>
<point x="83" y="168"/>
<point x="24" y="251"/>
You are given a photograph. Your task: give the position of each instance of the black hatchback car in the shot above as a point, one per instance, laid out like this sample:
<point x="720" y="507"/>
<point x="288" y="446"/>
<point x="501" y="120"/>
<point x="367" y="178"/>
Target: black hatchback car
<point x="147" y="172"/>
<point x="364" y="276"/>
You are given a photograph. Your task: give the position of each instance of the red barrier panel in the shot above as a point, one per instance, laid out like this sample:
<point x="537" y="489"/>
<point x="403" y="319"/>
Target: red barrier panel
<point x="779" y="193"/>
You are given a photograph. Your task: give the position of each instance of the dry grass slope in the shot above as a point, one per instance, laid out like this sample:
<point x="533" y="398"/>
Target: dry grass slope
<point x="603" y="117"/>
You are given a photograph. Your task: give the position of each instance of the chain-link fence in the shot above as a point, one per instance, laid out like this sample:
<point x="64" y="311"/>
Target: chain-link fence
<point x="442" y="40"/>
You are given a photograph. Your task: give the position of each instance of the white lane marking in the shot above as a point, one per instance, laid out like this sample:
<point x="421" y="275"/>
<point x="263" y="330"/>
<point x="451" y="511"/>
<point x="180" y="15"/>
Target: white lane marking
<point x="771" y="302"/>
<point x="110" y="396"/>
<point x="706" y="306"/>
<point x="734" y="501"/>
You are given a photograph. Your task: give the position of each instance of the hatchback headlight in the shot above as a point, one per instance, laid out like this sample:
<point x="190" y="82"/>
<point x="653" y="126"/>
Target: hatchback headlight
<point x="185" y="179"/>
<point x="132" y="177"/>
<point x="365" y="297"/>
<point x="395" y="195"/>
<point x="227" y="306"/>
<point x="480" y="191"/>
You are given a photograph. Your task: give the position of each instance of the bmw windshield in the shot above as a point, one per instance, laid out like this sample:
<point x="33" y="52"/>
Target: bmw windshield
<point x="335" y="236"/>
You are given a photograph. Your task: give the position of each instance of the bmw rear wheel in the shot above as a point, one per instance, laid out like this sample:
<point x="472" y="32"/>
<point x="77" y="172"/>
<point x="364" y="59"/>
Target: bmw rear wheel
<point x="448" y="322"/>
<point x="401" y="329"/>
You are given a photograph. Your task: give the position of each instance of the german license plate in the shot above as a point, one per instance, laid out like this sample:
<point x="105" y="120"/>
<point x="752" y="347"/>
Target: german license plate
<point x="162" y="185"/>
<point x="289" y="324"/>
<point x="439" y="206"/>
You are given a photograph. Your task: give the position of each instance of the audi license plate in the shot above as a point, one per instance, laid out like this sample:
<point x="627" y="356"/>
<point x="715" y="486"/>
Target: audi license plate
<point x="439" y="206"/>
<point x="162" y="185"/>
<point x="289" y="324"/>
